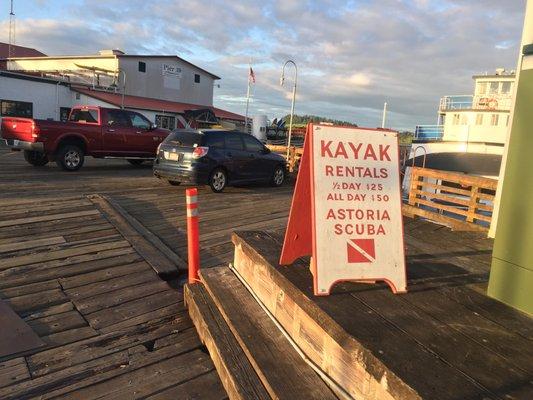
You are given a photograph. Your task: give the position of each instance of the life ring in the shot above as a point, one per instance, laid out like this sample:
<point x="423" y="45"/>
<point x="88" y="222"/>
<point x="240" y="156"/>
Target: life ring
<point x="492" y="103"/>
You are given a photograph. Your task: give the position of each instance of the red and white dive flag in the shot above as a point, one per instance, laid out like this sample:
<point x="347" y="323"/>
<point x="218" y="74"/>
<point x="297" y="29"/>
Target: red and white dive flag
<point x="251" y="76"/>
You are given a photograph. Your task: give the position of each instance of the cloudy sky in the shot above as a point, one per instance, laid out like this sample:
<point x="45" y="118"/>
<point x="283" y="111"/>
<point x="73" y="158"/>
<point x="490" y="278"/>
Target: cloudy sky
<point x="352" y="55"/>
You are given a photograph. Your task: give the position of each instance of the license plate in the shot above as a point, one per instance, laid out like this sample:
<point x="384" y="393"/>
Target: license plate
<point x="173" y="156"/>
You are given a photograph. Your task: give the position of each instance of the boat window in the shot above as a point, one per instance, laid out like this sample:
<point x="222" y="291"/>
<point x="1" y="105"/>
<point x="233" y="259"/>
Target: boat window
<point x="506" y="87"/>
<point x="456" y="119"/>
<point x="464" y="119"/>
<point x="494" y="87"/>
<point x="482" y="88"/>
<point x="479" y="119"/>
<point x="494" y="119"/>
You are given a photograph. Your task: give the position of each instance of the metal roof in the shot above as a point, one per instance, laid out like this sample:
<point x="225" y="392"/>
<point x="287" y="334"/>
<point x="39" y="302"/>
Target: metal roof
<point x="146" y="103"/>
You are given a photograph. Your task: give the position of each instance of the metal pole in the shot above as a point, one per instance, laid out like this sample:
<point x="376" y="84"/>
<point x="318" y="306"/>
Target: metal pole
<point x="293" y="100"/>
<point x="247" y="104"/>
<point x="384" y="115"/>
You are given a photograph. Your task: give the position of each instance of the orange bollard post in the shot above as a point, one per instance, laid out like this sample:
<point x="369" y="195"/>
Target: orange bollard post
<point x="193" y="235"/>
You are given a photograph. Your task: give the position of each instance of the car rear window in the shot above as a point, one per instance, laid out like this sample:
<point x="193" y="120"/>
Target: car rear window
<point x="184" y="139"/>
<point x="80" y="115"/>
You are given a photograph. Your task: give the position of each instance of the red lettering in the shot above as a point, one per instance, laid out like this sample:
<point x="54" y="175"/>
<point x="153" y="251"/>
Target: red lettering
<point x="324" y="148"/>
<point x="341" y="151"/>
<point x="369" y="153"/>
<point x="384" y="172"/>
<point x="355" y="149"/>
<point x="329" y="170"/>
<point x="384" y="152"/>
<point x="331" y="214"/>
<point x="338" y="229"/>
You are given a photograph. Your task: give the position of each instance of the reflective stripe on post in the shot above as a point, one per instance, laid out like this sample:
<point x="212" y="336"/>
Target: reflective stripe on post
<point x="193" y="239"/>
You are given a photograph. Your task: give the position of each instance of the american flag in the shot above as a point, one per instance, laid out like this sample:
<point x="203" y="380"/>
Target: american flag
<point x="251" y="75"/>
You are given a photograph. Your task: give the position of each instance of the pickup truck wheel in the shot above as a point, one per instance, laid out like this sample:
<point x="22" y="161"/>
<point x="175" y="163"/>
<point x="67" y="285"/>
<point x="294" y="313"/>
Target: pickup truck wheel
<point x="135" y="162"/>
<point x="174" y="183"/>
<point x="35" y="158"/>
<point x="70" y="157"/>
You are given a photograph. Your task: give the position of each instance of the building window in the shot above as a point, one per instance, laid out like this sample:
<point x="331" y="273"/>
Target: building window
<point x="464" y="119"/>
<point x="494" y="119"/>
<point x="196" y="78"/>
<point x="494" y="87"/>
<point x="507" y="120"/>
<point x="506" y="87"/>
<point x="64" y="113"/>
<point x="11" y="108"/>
<point x="479" y="119"/>
<point x="456" y="119"/>
<point x="142" y="66"/>
<point x="165" y="121"/>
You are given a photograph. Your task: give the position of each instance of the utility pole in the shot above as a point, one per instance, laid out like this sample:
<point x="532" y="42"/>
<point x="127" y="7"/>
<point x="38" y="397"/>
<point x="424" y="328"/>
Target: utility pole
<point x="11" y="32"/>
<point x="281" y="81"/>
<point x="383" y="119"/>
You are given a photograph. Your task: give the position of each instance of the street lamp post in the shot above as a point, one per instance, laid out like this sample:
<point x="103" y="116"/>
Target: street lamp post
<point x="281" y="81"/>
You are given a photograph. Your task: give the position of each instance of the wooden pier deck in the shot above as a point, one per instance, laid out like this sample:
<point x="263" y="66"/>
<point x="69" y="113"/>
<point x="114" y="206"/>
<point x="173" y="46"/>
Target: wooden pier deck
<point x="113" y="329"/>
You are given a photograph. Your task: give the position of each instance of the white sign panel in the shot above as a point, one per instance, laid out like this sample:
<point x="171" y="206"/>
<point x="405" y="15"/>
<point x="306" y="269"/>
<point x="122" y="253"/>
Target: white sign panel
<point x="355" y="185"/>
<point x="172" y="70"/>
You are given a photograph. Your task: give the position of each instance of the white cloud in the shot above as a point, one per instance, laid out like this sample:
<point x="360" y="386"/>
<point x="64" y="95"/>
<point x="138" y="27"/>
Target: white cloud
<point x="352" y="55"/>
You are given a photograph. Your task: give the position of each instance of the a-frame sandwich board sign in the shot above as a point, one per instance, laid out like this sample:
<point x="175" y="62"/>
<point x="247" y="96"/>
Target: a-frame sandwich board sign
<point x="346" y="208"/>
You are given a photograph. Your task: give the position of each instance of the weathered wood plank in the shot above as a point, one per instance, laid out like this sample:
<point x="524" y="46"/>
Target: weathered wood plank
<point x="102" y="301"/>
<point x="101" y="319"/>
<point x="13" y="371"/>
<point x="159" y="261"/>
<point x="60" y="254"/>
<point x="35" y="301"/>
<point x="111" y="285"/>
<point x="67" y="267"/>
<point x="42" y="218"/>
<point x="286" y="377"/>
<point x="103" y="275"/>
<point x="238" y="376"/>
<point x="204" y="387"/>
<point x="24" y="245"/>
<point x="57" y="323"/>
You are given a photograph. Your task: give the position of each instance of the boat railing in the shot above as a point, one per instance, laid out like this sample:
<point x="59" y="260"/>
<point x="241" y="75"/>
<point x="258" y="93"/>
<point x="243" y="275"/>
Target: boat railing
<point x="429" y="132"/>
<point x="459" y="102"/>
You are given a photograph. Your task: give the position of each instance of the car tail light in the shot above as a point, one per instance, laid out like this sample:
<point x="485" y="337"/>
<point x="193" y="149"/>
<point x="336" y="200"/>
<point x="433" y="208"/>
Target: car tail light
<point x="34" y="130"/>
<point x="199" y="152"/>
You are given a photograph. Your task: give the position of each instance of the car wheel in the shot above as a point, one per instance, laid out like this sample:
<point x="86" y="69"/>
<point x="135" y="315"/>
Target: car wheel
<point x="35" y="158"/>
<point x="70" y="157"/>
<point x="135" y="162"/>
<point x="218" y="180"/>
<point x="174" y="183"/>
<point x="278" y="176"/>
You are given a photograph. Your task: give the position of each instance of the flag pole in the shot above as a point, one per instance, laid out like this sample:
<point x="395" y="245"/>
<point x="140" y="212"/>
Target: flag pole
<point x="247" y="104"/>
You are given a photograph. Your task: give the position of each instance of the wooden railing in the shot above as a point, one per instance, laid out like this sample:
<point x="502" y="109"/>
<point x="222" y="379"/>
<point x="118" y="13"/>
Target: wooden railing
<point x="295" y="154"/>
<point x="463" y="202"/>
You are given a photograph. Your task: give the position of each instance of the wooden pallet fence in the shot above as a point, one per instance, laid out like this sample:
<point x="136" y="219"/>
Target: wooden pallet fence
<point x="464" y="202"/>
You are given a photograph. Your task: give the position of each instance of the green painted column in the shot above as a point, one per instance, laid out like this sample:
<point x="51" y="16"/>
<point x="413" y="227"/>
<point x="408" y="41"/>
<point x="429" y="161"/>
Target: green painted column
<point x="511" y="275"/>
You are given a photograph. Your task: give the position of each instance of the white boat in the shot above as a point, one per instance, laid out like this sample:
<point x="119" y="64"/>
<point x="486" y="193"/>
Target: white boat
<point x="471" y="130"/>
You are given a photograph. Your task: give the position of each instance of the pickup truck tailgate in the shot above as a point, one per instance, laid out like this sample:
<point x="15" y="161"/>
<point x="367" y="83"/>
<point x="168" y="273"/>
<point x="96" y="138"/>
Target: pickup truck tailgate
<point x="18" y="129"/>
